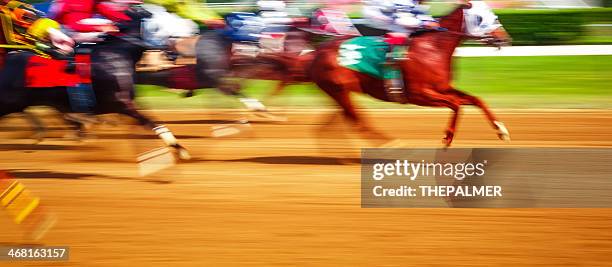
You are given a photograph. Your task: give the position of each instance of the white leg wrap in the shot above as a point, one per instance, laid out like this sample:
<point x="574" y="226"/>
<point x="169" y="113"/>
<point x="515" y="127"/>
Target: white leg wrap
<point x="253" y="104"/>
<point x="502" y="131"/>
<point x="166" y="135"/>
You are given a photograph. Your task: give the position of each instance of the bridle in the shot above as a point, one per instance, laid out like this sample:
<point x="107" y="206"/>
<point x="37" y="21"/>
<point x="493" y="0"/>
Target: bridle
<point x="488" y="38"/>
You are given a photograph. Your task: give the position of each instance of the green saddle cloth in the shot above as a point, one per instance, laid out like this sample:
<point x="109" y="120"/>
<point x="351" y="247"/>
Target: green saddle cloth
<point x="368" y="55"/>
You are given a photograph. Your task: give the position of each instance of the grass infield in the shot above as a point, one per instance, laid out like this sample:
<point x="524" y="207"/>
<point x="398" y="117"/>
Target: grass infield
<point x="504" y="82"/>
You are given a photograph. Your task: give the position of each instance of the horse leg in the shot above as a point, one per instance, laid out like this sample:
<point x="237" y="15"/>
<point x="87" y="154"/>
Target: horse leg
<point x="78" y="124"/>
<point x="81" y="122"/>
<point x="467" y="99"/>
<point x="117" y="72"/>
<point x="452" y="125"/>
<point x="342" y="96"/>
<point x="123" y="99"/>
<point x="437" y="99"/>
<point x="213" y="69"/>
<point x="160" y="130"/>
<point x="279" y="87"/>
<point x="38" y="126"/>
<point x="78" y="121"/>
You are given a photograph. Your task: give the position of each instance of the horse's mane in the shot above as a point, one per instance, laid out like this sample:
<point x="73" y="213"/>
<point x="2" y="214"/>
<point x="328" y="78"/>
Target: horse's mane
<point x="454" y="20"/>
<point x="434" y="49"/>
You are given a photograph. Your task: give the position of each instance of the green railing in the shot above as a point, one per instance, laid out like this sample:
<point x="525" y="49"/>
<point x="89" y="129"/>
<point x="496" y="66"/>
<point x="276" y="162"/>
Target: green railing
<point x="552" y="27"/>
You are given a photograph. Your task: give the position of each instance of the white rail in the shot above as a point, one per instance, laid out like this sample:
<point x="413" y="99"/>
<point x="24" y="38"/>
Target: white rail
<point x="514" y="51"/>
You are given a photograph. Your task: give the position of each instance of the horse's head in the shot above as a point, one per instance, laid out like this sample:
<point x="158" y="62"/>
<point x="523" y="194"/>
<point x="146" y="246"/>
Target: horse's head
<point x="481" y="23"/>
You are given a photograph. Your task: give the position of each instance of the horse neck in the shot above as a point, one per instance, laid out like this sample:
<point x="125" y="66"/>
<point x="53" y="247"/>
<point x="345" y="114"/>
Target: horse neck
<point x="442" y="43"/>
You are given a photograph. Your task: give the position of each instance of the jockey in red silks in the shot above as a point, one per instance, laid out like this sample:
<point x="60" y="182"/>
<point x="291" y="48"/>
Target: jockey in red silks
<point x="87" y="21"/>
<point x="79" y="16"/>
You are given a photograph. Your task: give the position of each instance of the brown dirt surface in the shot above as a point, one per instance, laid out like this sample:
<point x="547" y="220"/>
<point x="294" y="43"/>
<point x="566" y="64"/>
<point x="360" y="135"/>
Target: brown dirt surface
<point x="289" y="194"/>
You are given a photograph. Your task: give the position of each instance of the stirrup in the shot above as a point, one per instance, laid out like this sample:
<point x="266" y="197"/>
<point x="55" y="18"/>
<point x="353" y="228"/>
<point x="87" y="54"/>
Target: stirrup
<point x="396" y="94"/>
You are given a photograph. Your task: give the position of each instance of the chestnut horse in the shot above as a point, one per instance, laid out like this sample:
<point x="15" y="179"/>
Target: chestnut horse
<point x="426" y="70"/>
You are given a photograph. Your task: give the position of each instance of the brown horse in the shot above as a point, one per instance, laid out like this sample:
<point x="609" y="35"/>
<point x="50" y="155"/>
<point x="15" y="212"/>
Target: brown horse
<point x="427" y="75"/>
<point x="287" y="67"/>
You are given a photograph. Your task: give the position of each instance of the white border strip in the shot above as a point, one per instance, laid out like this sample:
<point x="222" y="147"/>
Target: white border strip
<point x="526" y="51"/>
<point x="285" y="111"/>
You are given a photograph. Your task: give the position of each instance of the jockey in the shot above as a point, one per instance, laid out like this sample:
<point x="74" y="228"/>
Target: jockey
<point x="271" y="17"/>
<point x="87" y="21"/>
<point x="210" y="59"/>
<point x="25" y="28"/>
<point x="399" y="18"/>
<point x="274" y="15"/>
<point x="27" y="34"/>
<point x="193" y="10"/>
<point x="81" y="17"/>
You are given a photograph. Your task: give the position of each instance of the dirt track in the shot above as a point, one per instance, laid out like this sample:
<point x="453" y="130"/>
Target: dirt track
<point x="280" y="196"/>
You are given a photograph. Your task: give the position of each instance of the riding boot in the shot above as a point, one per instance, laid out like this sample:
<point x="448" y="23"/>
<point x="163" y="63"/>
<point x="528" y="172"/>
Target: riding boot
<point x="394" y="84"/>
<point x="82" y="97"/>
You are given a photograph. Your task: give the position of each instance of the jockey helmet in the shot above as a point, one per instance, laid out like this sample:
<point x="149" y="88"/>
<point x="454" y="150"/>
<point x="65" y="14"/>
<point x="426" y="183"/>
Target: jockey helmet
<point x="40" y="28"/>
<point x="23" y="14"/>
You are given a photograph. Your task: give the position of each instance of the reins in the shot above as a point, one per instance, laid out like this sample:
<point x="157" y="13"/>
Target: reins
<point x="463" y="34"/>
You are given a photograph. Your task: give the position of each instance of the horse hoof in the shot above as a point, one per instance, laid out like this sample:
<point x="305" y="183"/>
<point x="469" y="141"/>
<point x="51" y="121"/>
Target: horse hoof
<point x="447" y="142"/>
<point x="38" y="137"/>
<point x="502" y="132"/>
<point x="76" y="136"/>
<point x="448" y="139"/>
<point x="231" y="129"/>
<point x="183" y="154"/>
<point x="253" y="105"/>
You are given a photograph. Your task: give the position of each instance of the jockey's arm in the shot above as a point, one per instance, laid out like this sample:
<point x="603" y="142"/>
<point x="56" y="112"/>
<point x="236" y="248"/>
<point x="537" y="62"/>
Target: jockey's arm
<point x="415" y="17"/>
<point x="48" y="31"/>
<point x="374" y="10"/>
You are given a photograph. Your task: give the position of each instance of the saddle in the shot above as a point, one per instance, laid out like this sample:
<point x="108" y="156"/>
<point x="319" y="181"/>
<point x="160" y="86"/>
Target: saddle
<point x="377" y="57"/>
<point x="45" y="72"/>
<point x="156" y="60"/>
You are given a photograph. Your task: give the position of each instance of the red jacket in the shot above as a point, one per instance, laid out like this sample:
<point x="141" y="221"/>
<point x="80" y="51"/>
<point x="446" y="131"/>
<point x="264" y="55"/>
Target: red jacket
<point x="70" y="12"/>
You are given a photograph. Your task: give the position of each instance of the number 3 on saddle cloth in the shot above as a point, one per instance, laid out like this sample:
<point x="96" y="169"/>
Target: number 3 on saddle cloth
<point x="74" y="74"/>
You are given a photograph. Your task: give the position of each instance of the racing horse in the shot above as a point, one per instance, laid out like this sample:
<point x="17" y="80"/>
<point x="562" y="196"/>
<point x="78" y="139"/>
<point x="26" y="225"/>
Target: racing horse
<point x="207" y="46"/>
<point x="426" y="70"/>
<point x="286" y="67"/>
<point x="155" y="32"/>
<point x="290" y="65"/>
<point x="112" y="70"/>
